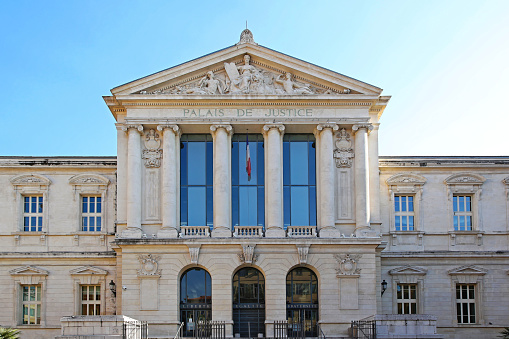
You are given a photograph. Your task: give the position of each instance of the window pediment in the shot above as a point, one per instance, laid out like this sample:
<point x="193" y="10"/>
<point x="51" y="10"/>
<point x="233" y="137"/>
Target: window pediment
<point x="468" y="270"/>
<point x="406" y="183"/>
<point x="465" y="179"/>
<point x="468" y="274"/>
<point x="89" y="183"/>
<point x="30" y="182"/>
<point x="88" y="270"/>
<point x="408" y="270"/>
<point x="28" y="270"/>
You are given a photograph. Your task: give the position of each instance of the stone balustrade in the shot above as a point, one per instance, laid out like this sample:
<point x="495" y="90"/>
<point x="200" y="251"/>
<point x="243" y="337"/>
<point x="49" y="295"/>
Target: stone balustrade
<point x="248" y="231"/>
<point x="301" y="231"/>
<point x="195" y="231"/>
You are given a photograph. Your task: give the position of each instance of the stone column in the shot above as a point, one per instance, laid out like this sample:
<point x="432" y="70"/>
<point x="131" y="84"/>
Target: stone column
<point x="273" y="137"/>
<point x="169" y="196"/>
<point x="133" y="182"/>
<point x="374" y="175"/>
<point x="222" y="180"/>
<point x="362" y="206"/>
<point x="121" y="176"/>
<point x="327" y="207"/>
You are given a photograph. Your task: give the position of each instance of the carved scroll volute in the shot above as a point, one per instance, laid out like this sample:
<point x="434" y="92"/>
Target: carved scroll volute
<point x="343" y="153"/>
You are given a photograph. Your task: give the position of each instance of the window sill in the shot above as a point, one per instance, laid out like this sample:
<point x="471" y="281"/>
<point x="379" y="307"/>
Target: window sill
<point x="90" y="233"/>
<point x="406" y="232"/>
<point x="29" y="233"/>
<point x="466" y="232"/>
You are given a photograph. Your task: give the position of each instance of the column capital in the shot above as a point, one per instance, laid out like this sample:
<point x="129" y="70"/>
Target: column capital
<point x="137" y="127"/>
<point x="227" y="127"/>
<point x="172" y="127"/>
<point x="321" y="127"/>
<point x="268" y="127"/>
<point x="368" y="127"/>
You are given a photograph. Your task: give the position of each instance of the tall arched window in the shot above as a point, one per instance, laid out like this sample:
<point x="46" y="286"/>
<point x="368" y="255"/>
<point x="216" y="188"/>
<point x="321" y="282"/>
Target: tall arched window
<point x="195" y="299"/>
<point x="302" y="302"/>
<point x="248" y="303"/>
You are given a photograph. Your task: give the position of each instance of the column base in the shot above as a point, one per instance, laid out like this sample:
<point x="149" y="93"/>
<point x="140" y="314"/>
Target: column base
<point x="221" y="232"/>
<point x="168" y="233"/>
<point x="365" y="232"/>
<point x="131" y="233"/>
<point x="329" y="232"/>
<point x="275" y="232"/>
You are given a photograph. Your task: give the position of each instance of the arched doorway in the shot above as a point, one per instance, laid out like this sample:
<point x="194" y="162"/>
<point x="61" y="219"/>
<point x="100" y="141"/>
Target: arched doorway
<point x="302" y="302"/>
<point x="195" y="299"/>
<point x="248" y="303"/>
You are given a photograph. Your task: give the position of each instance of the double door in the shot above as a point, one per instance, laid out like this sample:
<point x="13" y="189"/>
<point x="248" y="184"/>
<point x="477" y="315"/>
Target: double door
<point x="302" y="322"/>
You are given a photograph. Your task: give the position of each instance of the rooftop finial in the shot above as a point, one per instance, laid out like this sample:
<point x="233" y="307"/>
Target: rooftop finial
<point x="246" y="37"/>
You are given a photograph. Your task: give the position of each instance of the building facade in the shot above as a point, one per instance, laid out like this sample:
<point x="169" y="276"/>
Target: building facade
<point x="247" y="188"/>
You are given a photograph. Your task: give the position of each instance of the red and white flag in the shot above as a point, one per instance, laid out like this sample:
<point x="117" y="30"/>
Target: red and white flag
<point x="248" y="160"/>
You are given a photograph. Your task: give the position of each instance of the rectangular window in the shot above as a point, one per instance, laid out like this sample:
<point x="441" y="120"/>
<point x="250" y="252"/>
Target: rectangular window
<point x="32" y="213"/>
<point x="196" y="179"/>
<point x="31" y="304"/>
<point x="404" y="212"/>
<point x="90" y="299"/>
<point x="462" y="206"/>
<point x="91" y="213"/>
<point x="407" y="298"/>
<point x="465" y="303"/>
<point x="248" y="194"/>
<point x="299" y="180"/>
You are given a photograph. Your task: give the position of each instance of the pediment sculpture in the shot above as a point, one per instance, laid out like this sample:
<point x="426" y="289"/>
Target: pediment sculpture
<point x="244" y="78"/>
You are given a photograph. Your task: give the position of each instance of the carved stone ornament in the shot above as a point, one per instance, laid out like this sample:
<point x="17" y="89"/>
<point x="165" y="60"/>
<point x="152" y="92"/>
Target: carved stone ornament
<point x="348" y="264"/>
<point x="344" y="153"/>
<point x="303" y="251"/>
<point x="152" y="153"/>
<point x="279" y="127"/>
<point x="149" y="265"/>
<point x="246" y="37"/>
<point x="247" y="256"/>
<point x="194" y="252"/>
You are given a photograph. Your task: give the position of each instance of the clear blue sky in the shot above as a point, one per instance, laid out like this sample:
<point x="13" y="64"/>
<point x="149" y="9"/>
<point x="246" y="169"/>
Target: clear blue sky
<point x="445" y="64"/>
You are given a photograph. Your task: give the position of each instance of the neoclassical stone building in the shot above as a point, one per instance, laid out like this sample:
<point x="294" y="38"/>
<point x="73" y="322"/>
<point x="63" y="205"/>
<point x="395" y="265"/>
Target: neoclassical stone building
<point x="247" y="188"/>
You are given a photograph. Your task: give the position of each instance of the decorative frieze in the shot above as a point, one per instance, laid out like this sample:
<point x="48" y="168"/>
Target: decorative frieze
<point x="343" y="153"/>
<point x="149" y="265"/>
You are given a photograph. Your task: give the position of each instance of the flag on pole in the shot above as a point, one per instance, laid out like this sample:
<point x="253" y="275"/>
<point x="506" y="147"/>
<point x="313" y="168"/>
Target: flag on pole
<point x="248" y="160"/>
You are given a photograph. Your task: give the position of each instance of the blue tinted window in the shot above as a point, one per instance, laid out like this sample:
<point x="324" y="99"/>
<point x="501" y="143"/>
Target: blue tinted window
<point x="196" y="178"/>
<point x="299" y="180"/>
<point x="248" y="204"/>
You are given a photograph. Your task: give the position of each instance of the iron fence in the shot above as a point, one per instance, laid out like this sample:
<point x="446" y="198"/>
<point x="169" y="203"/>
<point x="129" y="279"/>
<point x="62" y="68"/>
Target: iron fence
<point x="363" y="329"/>
<point x="135" y="330"/>
<point x="210" y="330"/>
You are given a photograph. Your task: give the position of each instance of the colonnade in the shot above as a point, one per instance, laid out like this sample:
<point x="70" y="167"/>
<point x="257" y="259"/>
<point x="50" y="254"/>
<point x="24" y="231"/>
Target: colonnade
<point x="129" y="174"/>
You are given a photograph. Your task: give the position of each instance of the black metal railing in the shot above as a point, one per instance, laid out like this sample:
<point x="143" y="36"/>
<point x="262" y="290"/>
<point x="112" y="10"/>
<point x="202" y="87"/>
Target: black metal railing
<point x="281" y="329"/>
<point x="295" y="330"/>
<point x="363" y="329"/>
<point x="135" y="330"/>
<point x="320" y="333"/>
<point x="210" y="330"/>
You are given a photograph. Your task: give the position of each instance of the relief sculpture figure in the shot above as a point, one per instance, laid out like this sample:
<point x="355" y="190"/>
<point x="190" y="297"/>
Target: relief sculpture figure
<point x="241" y="76"/>
<point x="207" y="85"/>
<point x="292" y="87"/>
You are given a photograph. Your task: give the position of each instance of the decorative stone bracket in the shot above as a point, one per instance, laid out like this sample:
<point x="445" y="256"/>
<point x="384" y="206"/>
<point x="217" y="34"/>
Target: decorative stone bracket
<point x="194" y="252"/>
<point x="247" y="256"/>
<point x="303" y="250"/>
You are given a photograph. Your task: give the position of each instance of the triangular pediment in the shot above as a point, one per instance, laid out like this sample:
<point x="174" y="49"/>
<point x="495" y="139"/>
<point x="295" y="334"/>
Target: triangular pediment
<point x="468" y="270"/>
<point x="226" y="72"/>
<point x="88" y="270"/>
<point x="408" y="270"/>
<point x="28" y="270"/>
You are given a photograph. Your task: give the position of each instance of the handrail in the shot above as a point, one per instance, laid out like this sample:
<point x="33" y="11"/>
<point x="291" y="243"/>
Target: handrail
<point x="322" y="336"/>
<point x="179" y="332"/>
